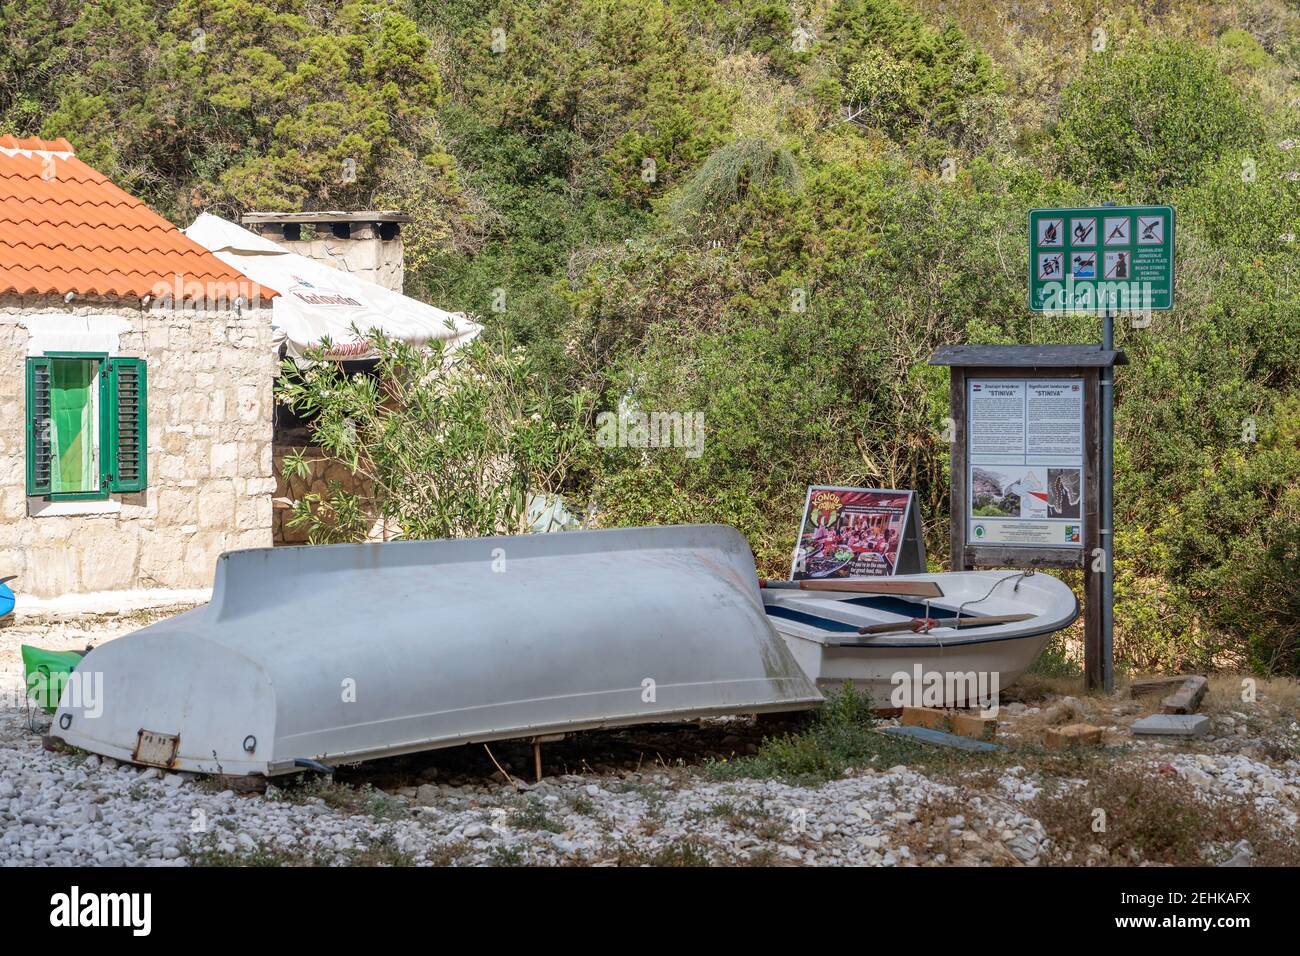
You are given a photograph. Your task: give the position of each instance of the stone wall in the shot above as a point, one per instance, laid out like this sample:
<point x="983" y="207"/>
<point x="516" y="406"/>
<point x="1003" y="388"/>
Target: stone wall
<point x="210" y="477"/>
<point x="290" y="489"/>
<point x="376" y="260"/>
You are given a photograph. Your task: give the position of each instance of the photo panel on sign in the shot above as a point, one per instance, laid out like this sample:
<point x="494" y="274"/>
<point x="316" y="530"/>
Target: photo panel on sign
<point x="1117" y="265"/>
<point x="1117" y="230"/>
<point x="1051" y="232"/>
<point x="1050" y="265"/>
<point x="1064" y="492"/>
<point x="1150" y="230"/>
<point x="1083" y="232"/>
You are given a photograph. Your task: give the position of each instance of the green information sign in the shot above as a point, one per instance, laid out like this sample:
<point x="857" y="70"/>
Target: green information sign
<point x="1106" y="257"/>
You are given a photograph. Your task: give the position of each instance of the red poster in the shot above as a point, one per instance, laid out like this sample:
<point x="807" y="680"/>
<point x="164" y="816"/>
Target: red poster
<point x="850" y="533"/>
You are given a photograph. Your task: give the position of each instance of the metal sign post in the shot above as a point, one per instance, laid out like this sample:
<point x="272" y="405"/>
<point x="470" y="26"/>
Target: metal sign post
<point x="1102" y="259"/>
<point x="1107" y="383"/>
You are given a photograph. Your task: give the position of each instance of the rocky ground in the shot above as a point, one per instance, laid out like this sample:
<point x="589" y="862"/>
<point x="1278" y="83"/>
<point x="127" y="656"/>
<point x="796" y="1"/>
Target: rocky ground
<point x="726" y="792"/>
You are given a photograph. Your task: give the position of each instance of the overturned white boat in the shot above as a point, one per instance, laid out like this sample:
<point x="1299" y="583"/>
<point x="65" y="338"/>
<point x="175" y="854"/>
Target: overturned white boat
<point x="336" y="654"/>
<point x="991" y="625"/>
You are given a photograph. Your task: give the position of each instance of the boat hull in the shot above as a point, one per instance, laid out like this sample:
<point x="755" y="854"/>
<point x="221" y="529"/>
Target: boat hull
<point x="343" y="653"/>
<point x="897" y="677"/>
<point x="955" y="667"/>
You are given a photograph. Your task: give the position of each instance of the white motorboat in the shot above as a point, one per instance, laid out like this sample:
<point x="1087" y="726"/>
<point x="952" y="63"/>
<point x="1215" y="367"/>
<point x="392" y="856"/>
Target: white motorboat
<point x="984" y="630"/>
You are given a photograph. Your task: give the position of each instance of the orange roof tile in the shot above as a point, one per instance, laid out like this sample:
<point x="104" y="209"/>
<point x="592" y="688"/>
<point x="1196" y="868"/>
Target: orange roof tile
<point x="65" y="227"/>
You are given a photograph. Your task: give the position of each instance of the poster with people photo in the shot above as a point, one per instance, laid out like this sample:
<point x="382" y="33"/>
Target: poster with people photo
<point x="852" y="532"/>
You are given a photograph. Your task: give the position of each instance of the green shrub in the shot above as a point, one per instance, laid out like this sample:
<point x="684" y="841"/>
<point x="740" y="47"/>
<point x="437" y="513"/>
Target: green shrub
<point x="838" y="737"/>
<point x="911" y="77"/>
<point x="1149" y="119"/>
<point x="452" y="447"/>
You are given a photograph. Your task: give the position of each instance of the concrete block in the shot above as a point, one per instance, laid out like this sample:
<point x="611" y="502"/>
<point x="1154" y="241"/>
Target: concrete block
<point x="1153" y="685"/>
<point x="953" y="722"/>
<point x="1173" y="725"/>
<point x="1187" y="698"/>
<point x="1072" y="735"/>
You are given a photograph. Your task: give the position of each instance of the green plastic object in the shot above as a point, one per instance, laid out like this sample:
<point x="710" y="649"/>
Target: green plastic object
<point x="46" y="673"/>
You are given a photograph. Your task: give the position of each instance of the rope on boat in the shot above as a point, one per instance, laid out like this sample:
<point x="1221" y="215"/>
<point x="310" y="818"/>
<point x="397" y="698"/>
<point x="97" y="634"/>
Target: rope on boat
<point x="1028" y="572"/>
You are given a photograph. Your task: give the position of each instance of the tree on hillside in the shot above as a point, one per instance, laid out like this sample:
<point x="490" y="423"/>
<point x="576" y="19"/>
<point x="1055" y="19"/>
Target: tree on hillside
<point x="603" y="94"/>
<point x="727" y="176"/>
<point x="909" y="78"/>
<point x="1150" y="119"/>
<point x="235" y="104"/>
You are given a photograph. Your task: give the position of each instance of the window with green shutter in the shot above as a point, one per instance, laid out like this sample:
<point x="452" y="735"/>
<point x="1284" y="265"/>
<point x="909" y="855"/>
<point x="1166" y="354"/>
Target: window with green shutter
<point x="39" y="426"/>
<point x="129" y="427"/>
<point x="86" y="426"/>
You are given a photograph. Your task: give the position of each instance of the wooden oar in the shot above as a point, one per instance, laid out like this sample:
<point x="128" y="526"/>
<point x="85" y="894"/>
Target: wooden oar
<point x="925" y="589"/>
<point x="918" y="624"/>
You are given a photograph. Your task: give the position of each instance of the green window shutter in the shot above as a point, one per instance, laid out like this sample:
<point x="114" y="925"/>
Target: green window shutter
<point x="128" y="425"/>
<point x="39" y="425"/>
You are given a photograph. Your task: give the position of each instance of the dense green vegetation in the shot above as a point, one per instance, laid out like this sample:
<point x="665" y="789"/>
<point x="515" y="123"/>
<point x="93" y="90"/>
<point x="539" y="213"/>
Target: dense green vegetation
<point x="443" y="449"/>
<point x="772" y="213"/>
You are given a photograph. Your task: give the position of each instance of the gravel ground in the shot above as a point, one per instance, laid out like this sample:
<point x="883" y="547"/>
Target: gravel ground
<point x="454" y="809"/>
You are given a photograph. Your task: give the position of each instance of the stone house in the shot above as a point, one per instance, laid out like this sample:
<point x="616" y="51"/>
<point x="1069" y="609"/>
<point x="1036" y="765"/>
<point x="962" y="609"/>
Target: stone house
<point x="301" y="254"/>
<point x="136" y="374"/>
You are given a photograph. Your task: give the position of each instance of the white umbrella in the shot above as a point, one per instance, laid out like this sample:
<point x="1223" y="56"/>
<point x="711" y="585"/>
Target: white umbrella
<point x="317" y="301"/>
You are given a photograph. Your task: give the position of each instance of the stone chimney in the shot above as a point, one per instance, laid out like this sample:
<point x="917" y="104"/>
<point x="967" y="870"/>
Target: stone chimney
<point x="368" y="244"/>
